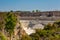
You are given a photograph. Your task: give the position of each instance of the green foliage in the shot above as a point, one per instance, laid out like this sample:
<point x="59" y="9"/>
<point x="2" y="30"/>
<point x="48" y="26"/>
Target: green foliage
<point x="37" y="10"/>
<point x="50" y="32"/>
<point x="41" y="33"/>
<point x="33" y="11"/>
<point x="2" y="36"/>
<point x="26" y="37"/>
<point x="48" y="27"/>
<point x="57" y="23"/>
<point x="45" y="35"/>
<point x="35" y="36"/>
<point x="10" y="23"/>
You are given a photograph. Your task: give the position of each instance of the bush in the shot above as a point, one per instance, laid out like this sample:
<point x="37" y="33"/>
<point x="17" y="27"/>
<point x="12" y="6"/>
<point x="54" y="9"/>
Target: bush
<point x="2" y="36"/>
<point x="26" y="37"/>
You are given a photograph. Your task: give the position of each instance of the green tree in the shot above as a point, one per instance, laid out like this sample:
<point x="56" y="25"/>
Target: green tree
<point x="33" y="11"/>
<point x="37" y="10"/>
<point x="10" y="23"/>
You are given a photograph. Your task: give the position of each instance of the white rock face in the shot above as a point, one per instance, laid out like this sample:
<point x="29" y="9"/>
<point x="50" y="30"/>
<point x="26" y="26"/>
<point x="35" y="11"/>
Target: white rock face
<point x="30" y="25"/>
<point x="24" y="23"/>
<point x="29" y="30"/>
<point x="38" y="26"/>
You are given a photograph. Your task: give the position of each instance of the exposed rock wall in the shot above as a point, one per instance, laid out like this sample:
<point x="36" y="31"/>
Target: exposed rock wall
<point x="32" y="23"/>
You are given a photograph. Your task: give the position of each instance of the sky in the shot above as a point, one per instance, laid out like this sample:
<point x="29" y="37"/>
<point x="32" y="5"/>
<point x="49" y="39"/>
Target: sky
<point x="29" y="5"/>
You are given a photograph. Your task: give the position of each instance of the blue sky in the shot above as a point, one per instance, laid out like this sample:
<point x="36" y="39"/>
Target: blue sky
<point x="29" y="5"/>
